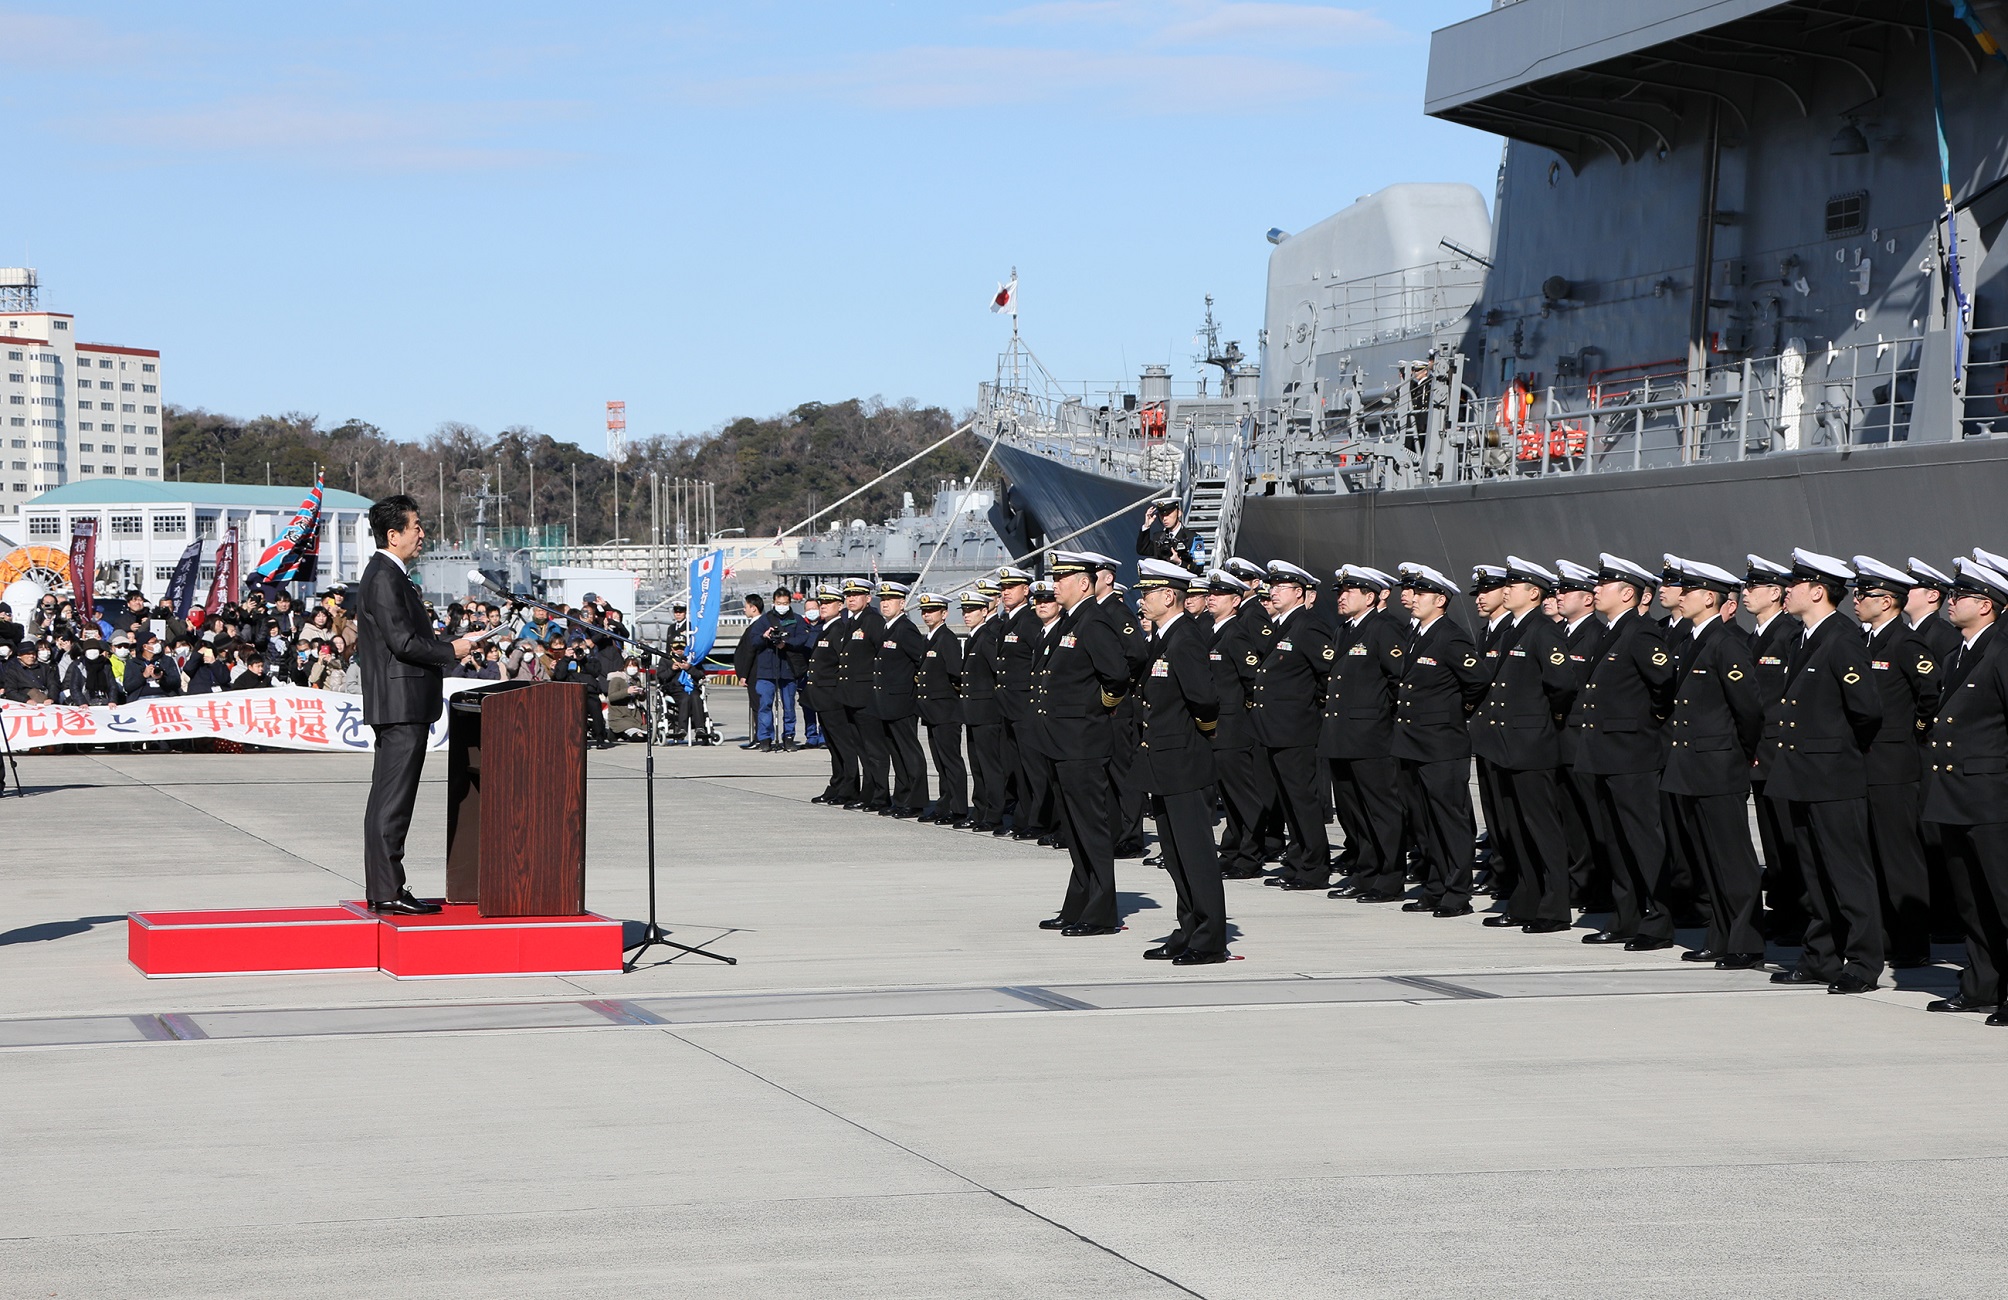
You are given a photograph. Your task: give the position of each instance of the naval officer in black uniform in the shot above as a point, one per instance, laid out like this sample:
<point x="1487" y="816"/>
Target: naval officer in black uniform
<point x="1582" y="631"/>
<point x="894" y="706"/>
<point x="1713" y="731"/>
<point x="939" y="686"/>
<point x="1238" y="759"/>
<point x="1175" y="760"/>
<point x="1289" y="695"/>
<point x="1164" y="536"/>
<point x="1356" y="739"/>
<point x="402" y="665"/>
<point x="825" y="696"/>
<point x="1441" y="682"/>
<point x="855" y="661"/>
<point x="1770" y="647"/>
<point x="1819" y="767"/>
<point x="982" y="715"/>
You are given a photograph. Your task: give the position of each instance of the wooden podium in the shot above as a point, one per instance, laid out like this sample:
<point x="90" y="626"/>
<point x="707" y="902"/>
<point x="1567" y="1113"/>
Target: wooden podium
<point x="516" y="799"/>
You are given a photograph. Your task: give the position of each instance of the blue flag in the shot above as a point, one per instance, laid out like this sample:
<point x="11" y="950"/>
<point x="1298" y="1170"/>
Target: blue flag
<point x="707" y="593"/>
<point x="181" y="587"/>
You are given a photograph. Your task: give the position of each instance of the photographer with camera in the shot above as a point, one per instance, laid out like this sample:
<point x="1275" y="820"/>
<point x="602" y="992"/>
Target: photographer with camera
<point x="781" y="640"/>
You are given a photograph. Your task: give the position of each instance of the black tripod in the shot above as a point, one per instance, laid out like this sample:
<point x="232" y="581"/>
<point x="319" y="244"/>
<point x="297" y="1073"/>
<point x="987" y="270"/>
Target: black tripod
<point x="7" y="749"/>
<point x="652" y="935"/>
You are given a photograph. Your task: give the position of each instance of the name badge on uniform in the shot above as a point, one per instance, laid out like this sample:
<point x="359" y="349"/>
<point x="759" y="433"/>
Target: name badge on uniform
<point x="1880" y="665"/>
<point x="1160" y="669"/>
<point x="1517" y="654"/>
<point x="1772" y="660"/>
<point x="930" y="654"/>
<point x="1358" y="649"/>
<point x="889" y="645"/>
<point x="1491" y="654"/>
<point x="1284" y="645"/>
<point x="1010" y="637"/>
<point x="858" y="635"/>
<point x="1426" y="661"/>
<point x="1214" y="655"/>
<point x="1068" y="641"/>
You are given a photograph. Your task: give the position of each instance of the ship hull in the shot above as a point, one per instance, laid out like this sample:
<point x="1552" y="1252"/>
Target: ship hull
<point x="1928" y="500"/>
<point x="1056" y="499"/>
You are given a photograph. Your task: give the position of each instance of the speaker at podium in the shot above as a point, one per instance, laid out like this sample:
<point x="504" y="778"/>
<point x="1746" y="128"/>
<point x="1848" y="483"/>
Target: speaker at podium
<point x="516" y="799"/>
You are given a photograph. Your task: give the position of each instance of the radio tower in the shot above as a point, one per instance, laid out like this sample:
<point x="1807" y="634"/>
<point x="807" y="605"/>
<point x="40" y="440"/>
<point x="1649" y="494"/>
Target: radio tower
<point x="617" y="432"/>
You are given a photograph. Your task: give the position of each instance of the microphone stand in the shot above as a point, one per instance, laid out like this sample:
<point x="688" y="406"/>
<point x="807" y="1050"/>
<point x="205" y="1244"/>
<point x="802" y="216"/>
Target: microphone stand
<point x="652" y="935"/>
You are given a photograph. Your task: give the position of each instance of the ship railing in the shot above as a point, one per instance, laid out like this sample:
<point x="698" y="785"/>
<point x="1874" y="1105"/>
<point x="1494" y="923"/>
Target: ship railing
<point x="1985" y="414"/>
<point x="1395" y="305"/>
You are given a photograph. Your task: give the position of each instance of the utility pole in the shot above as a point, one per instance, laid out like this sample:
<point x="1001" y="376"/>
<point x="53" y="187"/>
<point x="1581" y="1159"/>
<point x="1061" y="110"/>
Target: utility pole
<point x="574" y="539"/>
<point x="442" y="498"/>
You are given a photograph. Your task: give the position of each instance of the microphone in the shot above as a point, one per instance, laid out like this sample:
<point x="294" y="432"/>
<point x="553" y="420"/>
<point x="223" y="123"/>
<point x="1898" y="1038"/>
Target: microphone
<point x="480" y="579"/>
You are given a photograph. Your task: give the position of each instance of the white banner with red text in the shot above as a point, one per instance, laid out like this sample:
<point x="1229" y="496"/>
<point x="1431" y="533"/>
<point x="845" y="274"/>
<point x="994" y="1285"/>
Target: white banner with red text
<point x="275" y="717"/>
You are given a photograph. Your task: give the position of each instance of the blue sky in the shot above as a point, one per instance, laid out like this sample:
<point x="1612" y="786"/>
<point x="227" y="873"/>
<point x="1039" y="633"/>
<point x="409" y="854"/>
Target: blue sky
<point x="508" y="213"/>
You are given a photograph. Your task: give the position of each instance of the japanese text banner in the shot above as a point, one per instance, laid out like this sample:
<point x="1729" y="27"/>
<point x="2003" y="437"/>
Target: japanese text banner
<point x="278" y="717"/>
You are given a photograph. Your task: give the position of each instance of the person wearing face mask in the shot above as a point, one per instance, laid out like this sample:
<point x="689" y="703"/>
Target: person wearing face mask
<point x="89" y="680"/>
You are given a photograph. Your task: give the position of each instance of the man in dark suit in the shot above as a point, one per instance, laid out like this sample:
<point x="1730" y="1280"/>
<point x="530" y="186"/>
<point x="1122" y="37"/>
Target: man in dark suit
<point x="1356" y="740"/>
<point x="402" y="666"/>
<point x="983" y="716"/>
<point x="894" y="708"/>
<point x="1819" y="767"/>
<point x="1770" y="648"/>
<point x="1289" y="696"/>
<point x="938" y="684"/>
<point x="857" y="657"/>
<point x="1582" y="632"/>
<point x="1238" y="760"/>
<point x="1966" y="786"/>
<point x="1905" y="672"/>
<point x="1180" y="711"/>
<point x="1442" y="681"/>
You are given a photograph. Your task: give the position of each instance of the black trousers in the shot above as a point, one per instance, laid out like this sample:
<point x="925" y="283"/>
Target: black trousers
<point x="986" y="768"/>
<point x="1083" y="798"/>
<point x="1366" y="794"/>
<point x="400" y="761"/>
<point x="1011" y="768"/>
<point x="1505" y="865"/>
<point x="1900" y="870"/>
<point x="1297" y="772"/>
<point x="1185" y="834"/>
<point x="1976" y="866"/>
<point x="1784" y="880"/>
<point x="872" y="754"/>
<point x="1628" y="803"/>
<point x="1589" y="867"/>
<point x="1438" y="796"/>
<point x="1242" y="797"/>
<point x="1530" y="808"/>
<point x="909" y="767"/>
<point x="1844" y="932"/>
<point x="840" y="737"/>
<point x="1037" y="814"/>
<point x="1683" y="886"/>
<point x="1714" y="832"/>
<point x="944" y="746"/>
<point x="1127" y="799"/>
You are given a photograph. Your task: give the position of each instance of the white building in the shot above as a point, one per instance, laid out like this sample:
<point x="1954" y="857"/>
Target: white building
<point x="144" y="526"/>
<point x="68" y="410"/>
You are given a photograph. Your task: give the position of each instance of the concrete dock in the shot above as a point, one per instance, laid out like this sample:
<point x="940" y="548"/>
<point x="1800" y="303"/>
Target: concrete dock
<point x="906" y="1089"/>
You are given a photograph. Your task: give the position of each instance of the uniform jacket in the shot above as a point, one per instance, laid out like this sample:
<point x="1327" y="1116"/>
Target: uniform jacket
<point x="1234" y="660"/>
<point x="1289" y="691"/>
<point x="1581" y="647"/>
<point x="1630" y="684"/>
<point x="1444" y="679"/>
<point x="1718" y="716"/>
<point x="1080" y="676"/>
<point x="1361" y="690"/>
<point x="1770" y="651"/>
<point x="1939" y="635"/>
<point x="1820" y="740"/>
<point x="857" y="657"/>
<point x="896" y="668"/>
<point x="1017" y="656"/>
<point x="824" y="677"/>
<point x="1174" y="546"/>
<point x="1966" y="754"/>
<point x="1518" y="721"/>
<point x="939" y="681"/>
<point x="1906" y="674"/>
<point x="980" y="704"/>
<point x="403" y="663"/>
<point x="1180" y="706"/>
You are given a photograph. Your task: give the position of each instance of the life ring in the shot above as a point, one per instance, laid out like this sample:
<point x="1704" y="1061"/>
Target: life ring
<point x="29" y="561"/>
<point x="1514" y="405"/>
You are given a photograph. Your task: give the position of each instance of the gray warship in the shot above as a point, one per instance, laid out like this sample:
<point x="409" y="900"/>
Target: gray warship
<point x="1742" y="287"/>
<point x="953" y="541"/>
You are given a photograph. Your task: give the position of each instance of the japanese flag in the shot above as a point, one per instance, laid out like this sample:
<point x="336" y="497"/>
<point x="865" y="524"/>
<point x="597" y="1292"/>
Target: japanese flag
<point x="1006" y="298"/>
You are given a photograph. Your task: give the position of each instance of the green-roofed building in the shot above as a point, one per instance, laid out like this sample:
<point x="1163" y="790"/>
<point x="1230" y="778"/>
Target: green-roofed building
<point x="143" y="527"/>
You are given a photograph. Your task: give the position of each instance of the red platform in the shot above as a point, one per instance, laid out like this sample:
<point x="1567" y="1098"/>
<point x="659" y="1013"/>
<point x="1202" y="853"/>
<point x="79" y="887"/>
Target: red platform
<point x="254" y="941"/>
<point x="350" y="937"/>
<point x="460" y="941"/>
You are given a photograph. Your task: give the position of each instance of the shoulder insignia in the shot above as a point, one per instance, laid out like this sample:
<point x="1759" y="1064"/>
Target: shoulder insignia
<point x="1925" y="665"/>
<point x="1128" y="630"/>
<point x="1253" y="659"/>
<point x="1558" y="658"/>
<point x="1330" y="653"/>
<point x="1394" y="651"/>
<point x="1268" y="631"/>
<point x="1471" y="661"/>
<point x="1852" y="677"/>
<point x="1734" y="674"/>
<point x="1658" y="657"/>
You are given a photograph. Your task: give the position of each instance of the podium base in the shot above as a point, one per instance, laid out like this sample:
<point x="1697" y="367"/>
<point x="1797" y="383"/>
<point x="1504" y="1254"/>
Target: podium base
<point x="460" y="942"/>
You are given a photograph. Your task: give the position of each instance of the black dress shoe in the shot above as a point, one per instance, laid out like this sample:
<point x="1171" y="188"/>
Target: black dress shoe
<point x="1958" y="1002"/>
<point x="1998" y="1019"/>
<point x="1054" y="923"/>
<point x="1501" y="921"/>
<point x="1048" y="842"/>
<point x="1796" y="975"/>
<point x="905" y="814"/>
<point x="1911" y="963"/>
<point x="1462" y="909"/>
<point x="1701" y="954"/>
<point x="1241" y="873"/>
<point x="1369" y="896"/>
<point x="1130" y="849"/>
<point x="1164" y="952"/>
<point x="1606" y="936"/>
<point x="1418" y="905"/>
<point x="854" y="805"/>
<point x="751" y="744"/>
<point x="959" y="824"/>
<point x="1191" y="958"/>
<point x="1154" y="860"/>
<point x="405" y="905"/>
<point x="1345" y="889"/>
<point x="1643" y="944"/>
<point x="1001" y="831"/>
<point x="1545" y="927"/>
<point x="1077" y="931"/>
<point x="1740" y="961"/>
<point x="1302" y="884"/>
<point x="1852" y="984"/>
<point x="1275" y="882"/>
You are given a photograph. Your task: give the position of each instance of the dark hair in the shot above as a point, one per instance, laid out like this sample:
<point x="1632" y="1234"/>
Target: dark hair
<point x="782" y="593"/>
<point x="392" y="514"/>
<point x="757" y="603"/>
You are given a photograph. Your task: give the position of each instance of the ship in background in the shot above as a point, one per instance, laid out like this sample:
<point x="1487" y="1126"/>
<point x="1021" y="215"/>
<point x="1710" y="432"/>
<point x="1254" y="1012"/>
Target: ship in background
<point x="1724" y="301"/>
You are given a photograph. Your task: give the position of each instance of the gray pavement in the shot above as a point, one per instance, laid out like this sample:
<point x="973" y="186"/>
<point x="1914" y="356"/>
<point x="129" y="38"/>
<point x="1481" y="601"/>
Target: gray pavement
<point x="904" y="1088"/>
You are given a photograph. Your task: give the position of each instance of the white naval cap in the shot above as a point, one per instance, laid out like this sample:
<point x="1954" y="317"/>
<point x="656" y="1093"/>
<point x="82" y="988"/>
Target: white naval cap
<point x="1616" y="568"/>
<point x="1102" y="561"/>
<point x="1995" y="562"/>
<point x="1927" y="576"/>
<point x="1872" y="574"/>
<point x="1520" y="570"/>
<point x="1284" y="571"/>
<point x="1575" y="577"/>
<point x="1812" y="566"/>
<point x="1763" y="572"/>
<point x="1360" y="576"/>
<point x="1980" y="579"/>
<point x="1420" y="577"/>
<point x="1246" y="570"/>
<point x="1709" y="577"/>
<point x="1488" y="577"/>
<point x="1008" y="575"/>
<point x="1152" y="574"/>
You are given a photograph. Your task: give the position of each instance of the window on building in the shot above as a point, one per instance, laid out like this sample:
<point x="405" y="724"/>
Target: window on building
<point x="85" y="446"/>
<point x="17" y="422"/>
<point x="104" y="364"/>
<point x="127" y="408"/>
<point x="153" y="410"/>
<point x="13" y="356"/>
<point x="126" y="525"/>
<point x="20" y="442"/>
<point x="44" y="525"/>
<point x="205" y="526"/>
<point x="148" y="388"/>
<point x="207" y="573"/>
<point x="83" y="383"/>
<point x="153" y="451"/>
<point x="132" y="471"/>
<point x="106" y="384"/>
<point x="21" y="466"/>
<point x="132" y="451"/>
<point x="17" y="377"/>
<point x="1847" y="214"/>
<point x="147" y="366"/>
<point x="163" y="572"/>
<point x="87" y="468"/>
<point x="126" y="429"/>
<point x="17" y="399"/>
<point x="170" y="525"/>
<point x="20" y="487"/>
<point x="151" y="471"/>
<point x="86" y="427"/>
<point x="60" y="324"/>
<point x="125" y="388"/>
<point x="152" y="428"/>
